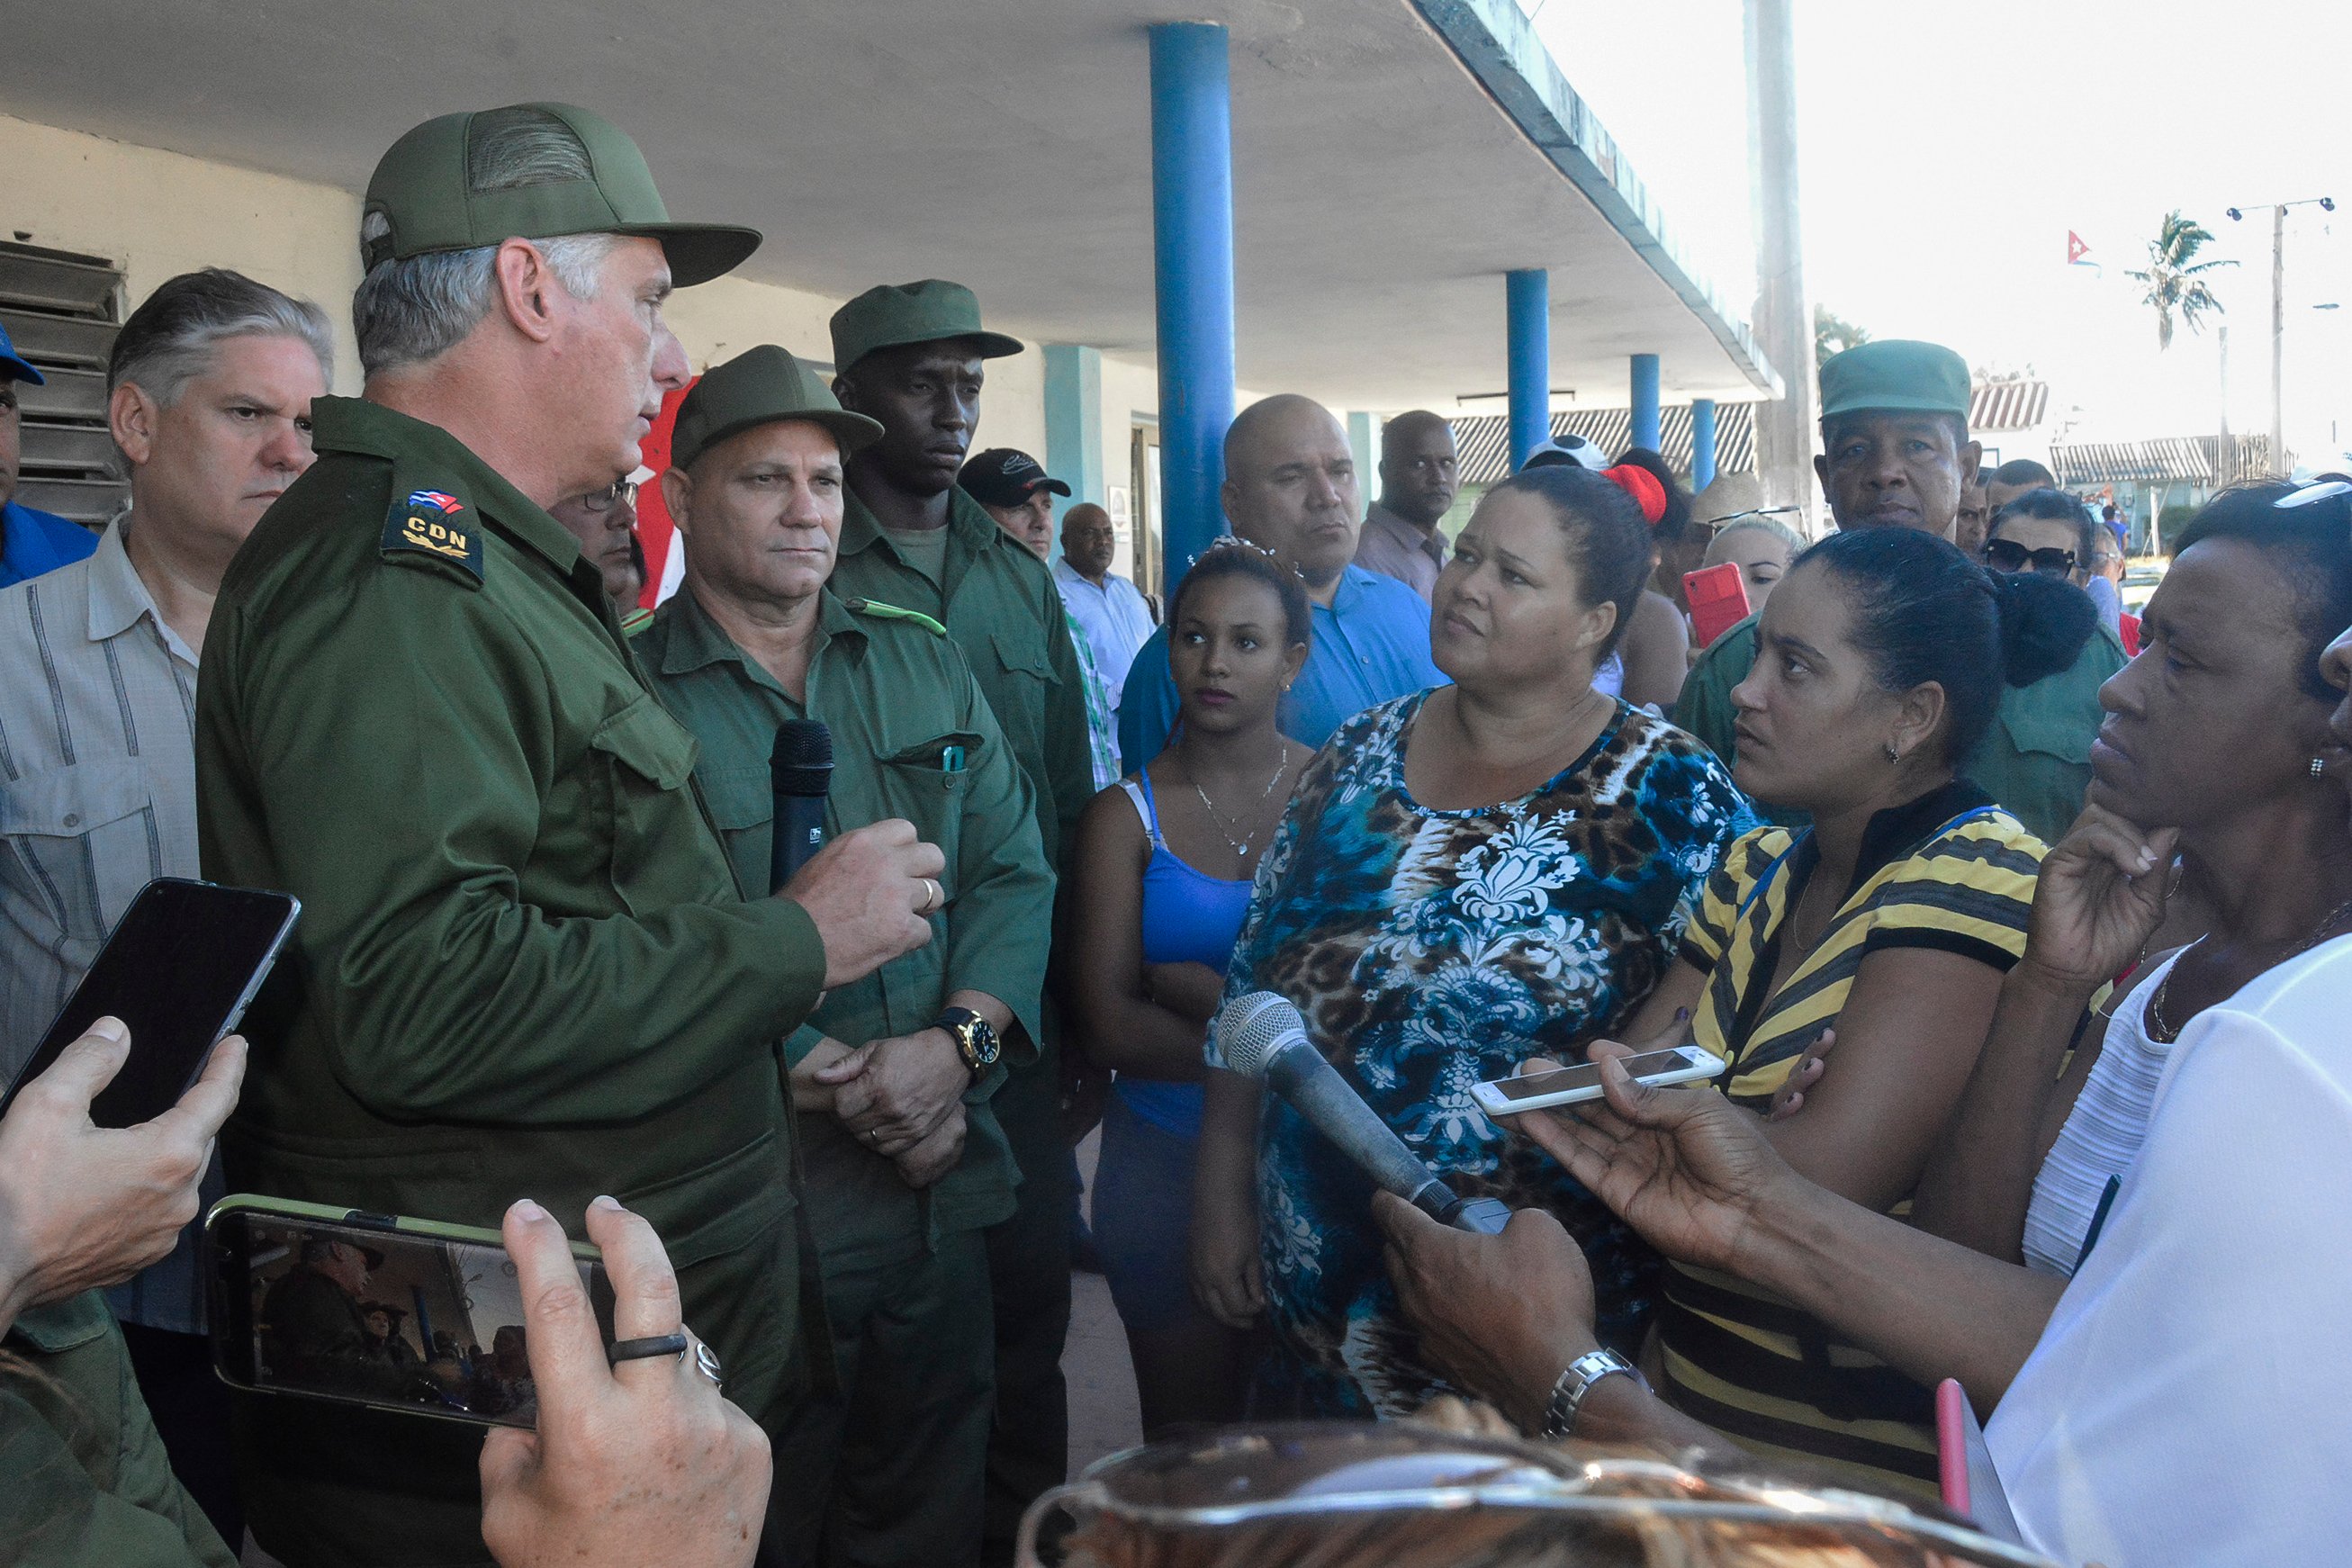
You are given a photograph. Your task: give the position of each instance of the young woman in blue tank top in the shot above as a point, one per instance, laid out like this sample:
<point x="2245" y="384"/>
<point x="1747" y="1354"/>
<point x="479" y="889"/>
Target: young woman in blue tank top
<point x="1163" y="874"/>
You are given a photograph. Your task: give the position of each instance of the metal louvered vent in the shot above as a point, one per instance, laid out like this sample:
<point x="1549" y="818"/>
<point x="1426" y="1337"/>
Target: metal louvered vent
<point x="62" y="310"/>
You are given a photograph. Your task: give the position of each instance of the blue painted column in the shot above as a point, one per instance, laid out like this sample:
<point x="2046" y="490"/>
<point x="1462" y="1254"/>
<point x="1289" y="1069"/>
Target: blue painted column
<point x="1527" y="328"/>
<point x="1702" y="442"/>
<point x="1192" y="254"/>
<point x="1073" y="441"/>
<point x="1645" y="401"/>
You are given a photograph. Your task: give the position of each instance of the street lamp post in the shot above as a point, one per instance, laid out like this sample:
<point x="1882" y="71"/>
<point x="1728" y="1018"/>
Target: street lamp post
<point x="2278" y="315"/>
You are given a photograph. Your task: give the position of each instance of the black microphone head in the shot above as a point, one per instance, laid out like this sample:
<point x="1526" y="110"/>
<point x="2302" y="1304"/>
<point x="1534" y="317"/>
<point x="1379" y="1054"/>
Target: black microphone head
<point x="802" y="761"/>
<point x="1252" y="1029"/>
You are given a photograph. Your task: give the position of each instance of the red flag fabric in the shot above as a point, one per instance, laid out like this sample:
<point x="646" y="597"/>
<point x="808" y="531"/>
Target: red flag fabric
<point x="664" y="563"/>
<point x="2075" y="248"/>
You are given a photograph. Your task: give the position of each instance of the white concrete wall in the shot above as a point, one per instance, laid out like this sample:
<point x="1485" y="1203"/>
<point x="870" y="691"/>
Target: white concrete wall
<point x="158" y="213"/>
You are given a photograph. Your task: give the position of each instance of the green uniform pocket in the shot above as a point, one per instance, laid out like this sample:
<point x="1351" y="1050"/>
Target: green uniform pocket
<point x="650" y="757"/>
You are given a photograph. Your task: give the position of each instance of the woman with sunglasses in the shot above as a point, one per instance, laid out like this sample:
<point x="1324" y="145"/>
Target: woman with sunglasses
<point x="2045" y="532"/>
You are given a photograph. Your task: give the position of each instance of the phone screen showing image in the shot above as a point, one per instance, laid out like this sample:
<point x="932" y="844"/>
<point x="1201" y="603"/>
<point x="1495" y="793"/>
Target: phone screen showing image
<point x="378" y="1317"/>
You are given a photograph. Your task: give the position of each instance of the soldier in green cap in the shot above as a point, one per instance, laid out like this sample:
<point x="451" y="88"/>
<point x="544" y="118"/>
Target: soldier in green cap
<point x="906" y="1165"/>
<point x="911" y="356"/>
<point x="1896" y="453"/>
<point x="523" y="967"/>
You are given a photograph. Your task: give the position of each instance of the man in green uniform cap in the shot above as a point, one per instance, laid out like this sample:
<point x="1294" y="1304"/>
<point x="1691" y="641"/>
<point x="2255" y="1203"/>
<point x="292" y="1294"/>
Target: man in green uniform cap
<point x="1896" y="453"/>
<point x="911" y="356"/>
<point x="906" y="1164"/>
<point x="523" y="965"/>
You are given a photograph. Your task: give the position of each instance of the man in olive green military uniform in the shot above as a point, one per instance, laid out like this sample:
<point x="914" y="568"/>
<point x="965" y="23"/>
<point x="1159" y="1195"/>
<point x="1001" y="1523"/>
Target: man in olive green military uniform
<point x="912" y="357"/>
<point x="523" y="965"/>
<point x="1896" y="453"/>
<point x="906" y="1164"/>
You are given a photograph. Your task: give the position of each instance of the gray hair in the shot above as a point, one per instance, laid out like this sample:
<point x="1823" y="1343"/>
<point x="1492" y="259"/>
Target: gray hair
<point x="412" y="309"/>
<point x="1772" y="525"/>
<point x="168" y="341"/>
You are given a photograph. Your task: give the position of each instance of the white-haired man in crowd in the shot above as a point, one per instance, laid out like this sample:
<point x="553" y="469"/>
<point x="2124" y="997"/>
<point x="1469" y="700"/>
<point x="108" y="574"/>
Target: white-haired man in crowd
<point x="209" y="392"/>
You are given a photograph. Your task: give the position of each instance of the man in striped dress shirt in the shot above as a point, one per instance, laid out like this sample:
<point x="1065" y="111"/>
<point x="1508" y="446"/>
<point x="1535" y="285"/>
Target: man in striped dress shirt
<point x="209" y="397"/>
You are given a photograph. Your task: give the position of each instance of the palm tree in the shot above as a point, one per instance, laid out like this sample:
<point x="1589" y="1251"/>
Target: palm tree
<point x="1833" y="335"/>
<point x="2176" y="286"/>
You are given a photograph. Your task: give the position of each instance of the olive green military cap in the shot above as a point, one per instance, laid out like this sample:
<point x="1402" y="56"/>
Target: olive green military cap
<point x="925" y="312"/>
<point x="760" y="387"/>
<point x="1896" y="374"/>
<point x="433" y="190"/>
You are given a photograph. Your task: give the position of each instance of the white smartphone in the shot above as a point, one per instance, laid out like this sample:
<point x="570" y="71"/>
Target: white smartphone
<point x="1567" y="1085"/>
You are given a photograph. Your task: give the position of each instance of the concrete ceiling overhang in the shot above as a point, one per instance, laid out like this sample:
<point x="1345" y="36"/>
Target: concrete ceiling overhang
<point x="1385" y="175"/>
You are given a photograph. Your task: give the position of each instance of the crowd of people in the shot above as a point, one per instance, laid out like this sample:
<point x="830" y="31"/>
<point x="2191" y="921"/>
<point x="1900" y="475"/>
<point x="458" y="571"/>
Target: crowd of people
<point x="2015" y="919"/>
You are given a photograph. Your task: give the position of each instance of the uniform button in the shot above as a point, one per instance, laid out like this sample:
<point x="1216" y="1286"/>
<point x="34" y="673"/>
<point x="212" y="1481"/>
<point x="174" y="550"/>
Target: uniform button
<point x="73" y="819"/>
<point x="1362" y="660"/>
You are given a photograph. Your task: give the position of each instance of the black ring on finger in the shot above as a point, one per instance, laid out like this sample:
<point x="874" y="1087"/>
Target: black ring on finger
<point x="647" y="1349"/>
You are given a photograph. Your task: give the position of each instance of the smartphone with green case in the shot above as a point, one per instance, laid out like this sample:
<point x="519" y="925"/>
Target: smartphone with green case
<point x="380" y="1311"/>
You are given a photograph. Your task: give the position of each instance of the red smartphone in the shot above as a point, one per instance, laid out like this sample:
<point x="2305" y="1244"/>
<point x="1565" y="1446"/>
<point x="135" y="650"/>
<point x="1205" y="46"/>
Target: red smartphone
<point x="1952" y="1445"/>
<point x="1718" y="600"/>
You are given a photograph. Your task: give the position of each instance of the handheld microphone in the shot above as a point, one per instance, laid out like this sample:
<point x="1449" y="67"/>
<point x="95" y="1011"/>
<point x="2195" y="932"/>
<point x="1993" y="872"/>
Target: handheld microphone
<point x="1263" y="1037"/>
<point x="800" y="774"/>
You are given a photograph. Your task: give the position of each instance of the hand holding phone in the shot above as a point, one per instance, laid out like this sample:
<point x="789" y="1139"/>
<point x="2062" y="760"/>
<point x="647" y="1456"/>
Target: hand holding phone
<point x="90" y="1206"/>
<point x="178" y="970"/>
<point x="642" y="1462"/>
<point x="1717" y="596"/>
<point x="1570" y="1086"/>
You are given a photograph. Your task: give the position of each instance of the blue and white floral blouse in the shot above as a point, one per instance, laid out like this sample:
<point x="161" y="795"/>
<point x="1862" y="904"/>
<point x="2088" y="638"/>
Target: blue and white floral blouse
<point x="1429" y="950"/>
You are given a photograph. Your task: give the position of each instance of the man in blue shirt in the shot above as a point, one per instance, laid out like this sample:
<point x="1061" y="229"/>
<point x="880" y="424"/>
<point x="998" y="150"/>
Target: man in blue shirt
<point x="31" y="542"/>
<point x="1291" y="489"/>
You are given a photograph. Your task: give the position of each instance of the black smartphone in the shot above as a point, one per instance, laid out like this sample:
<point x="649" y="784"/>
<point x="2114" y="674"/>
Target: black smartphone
<point x="376" y="1309"/>
<point x="179" y="968"/>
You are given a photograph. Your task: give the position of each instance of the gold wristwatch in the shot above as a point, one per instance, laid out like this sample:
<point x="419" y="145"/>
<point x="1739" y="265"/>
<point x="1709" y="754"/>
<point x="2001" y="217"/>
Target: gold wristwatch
<point x="974" y="1038"/>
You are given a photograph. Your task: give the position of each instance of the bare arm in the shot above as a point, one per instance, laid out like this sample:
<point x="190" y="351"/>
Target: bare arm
<point x="1668" y="1008"/>
<point x="1187" y="989"/>
<point x="1657" y="653"/>
<point x="1225" y="1270"/>
<point x="2096" y="902"/>
<point x="1909" y="1032"/>
<point x="1979" y="1179"/>
<point x="1124" y="1029"/>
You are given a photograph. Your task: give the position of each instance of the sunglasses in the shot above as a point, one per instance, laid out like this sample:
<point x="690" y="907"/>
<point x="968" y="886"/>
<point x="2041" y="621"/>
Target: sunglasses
<point x="2008" y="555"/>
<point x="1725" y="522"/>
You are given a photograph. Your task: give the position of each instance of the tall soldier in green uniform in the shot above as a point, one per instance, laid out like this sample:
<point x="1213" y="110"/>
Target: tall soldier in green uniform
<point x="1896" y="453"/>
<point x="523" y="964"/>
<point x="906" y="1164"/>
<point x="911" y="357"/>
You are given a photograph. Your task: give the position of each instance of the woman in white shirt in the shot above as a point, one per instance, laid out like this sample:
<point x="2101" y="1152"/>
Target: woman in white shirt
<point x="2215" y="746"/>
<point x="2174" y="1403"/>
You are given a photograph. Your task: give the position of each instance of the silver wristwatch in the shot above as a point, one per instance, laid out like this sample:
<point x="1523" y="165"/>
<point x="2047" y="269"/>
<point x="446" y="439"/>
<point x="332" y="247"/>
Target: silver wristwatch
<point x="1567" y="1394"/>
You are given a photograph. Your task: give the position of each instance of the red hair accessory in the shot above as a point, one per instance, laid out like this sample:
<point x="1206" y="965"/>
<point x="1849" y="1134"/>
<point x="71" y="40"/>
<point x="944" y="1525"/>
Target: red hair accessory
<point x="1643" y="485"/>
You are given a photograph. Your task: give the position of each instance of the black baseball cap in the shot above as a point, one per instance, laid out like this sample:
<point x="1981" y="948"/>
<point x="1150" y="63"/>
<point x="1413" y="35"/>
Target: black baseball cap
<point x="1003" y="477"/>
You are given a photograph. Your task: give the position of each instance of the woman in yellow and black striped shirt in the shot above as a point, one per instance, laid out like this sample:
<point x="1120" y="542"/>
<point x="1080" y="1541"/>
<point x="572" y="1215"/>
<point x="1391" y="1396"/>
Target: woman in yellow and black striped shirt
<point x="1892" y="920"/>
